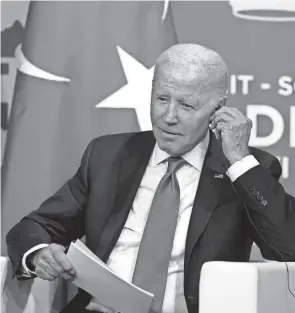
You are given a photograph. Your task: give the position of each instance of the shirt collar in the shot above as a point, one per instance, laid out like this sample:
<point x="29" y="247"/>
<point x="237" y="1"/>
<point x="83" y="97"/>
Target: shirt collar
<point x="194" y="157"/>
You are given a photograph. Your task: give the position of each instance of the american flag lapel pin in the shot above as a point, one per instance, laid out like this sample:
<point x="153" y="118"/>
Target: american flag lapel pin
<point x="218" y="175"/>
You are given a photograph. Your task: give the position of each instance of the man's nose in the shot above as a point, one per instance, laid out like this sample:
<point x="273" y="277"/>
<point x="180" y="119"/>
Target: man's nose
<point x="170" y="116"/>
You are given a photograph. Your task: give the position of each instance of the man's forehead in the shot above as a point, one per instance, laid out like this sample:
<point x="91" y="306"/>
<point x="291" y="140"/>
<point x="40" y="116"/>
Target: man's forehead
<point x="177" y="86"/>
<point x="193" y="93"/>
<point x="180" y="82"/>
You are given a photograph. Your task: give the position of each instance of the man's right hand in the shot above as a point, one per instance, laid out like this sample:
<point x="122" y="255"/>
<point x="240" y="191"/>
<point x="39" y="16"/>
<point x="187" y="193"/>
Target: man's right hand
<point x="51" y="262"/>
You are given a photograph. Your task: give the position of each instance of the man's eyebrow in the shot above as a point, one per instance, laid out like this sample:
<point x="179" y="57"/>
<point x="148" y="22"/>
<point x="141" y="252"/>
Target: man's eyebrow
<point x="194" y="103"/>
<point x="159" y="93"/>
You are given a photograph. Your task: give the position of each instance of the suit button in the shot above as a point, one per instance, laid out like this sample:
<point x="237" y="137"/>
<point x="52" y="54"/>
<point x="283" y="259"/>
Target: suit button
<point x="251" y="187"/>
<point x="259" y="198"/>
<point x="264" y="202"/>
<point x="256" y="192"/>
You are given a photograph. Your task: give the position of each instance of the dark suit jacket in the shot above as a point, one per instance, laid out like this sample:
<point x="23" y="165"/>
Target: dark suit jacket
<point x="97" y="200"/>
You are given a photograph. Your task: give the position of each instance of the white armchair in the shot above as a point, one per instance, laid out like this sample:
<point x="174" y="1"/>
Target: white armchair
<point x="259" y="286"/>
<point x="225" y="287"/>
<point x="28" y="296"/>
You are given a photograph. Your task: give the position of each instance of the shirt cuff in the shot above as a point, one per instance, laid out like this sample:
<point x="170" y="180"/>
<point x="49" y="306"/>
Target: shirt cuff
<point x="241" y="167"/>
<point x="24" y="259"/>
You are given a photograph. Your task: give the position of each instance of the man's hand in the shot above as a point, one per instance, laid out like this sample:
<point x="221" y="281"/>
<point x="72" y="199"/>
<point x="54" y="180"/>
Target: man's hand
<point x="51" y="262"/>
<point x="234" y="129"/>
<point x="96" y="306"/>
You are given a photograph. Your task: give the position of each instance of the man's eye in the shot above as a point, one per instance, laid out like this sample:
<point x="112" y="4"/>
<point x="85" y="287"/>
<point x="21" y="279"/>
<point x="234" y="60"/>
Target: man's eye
<point x="162" y="98"/>
<point x="186" y="105"/>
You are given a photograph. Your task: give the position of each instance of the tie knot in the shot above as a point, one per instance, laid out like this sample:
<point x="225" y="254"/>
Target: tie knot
<point x="174" y="164"/>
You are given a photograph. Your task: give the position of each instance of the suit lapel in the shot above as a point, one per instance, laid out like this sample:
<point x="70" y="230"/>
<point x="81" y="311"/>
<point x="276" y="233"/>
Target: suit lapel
<point x="132" y="165"/>
<point x="132" y="168"/>
<point x="208" y="193"/>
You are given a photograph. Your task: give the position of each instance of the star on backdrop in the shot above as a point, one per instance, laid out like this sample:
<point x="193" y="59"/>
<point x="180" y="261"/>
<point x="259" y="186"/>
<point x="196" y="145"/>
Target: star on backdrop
<point x="136" y="94"/>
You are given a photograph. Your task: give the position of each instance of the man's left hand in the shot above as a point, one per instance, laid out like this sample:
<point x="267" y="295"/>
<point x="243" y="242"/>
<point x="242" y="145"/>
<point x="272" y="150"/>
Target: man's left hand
<point x="234" y="129"/>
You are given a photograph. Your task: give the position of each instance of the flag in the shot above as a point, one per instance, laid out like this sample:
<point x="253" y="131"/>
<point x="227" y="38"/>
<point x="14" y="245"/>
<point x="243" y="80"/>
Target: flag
<point x="85" y="71"/>
<point x="75" y="57"/>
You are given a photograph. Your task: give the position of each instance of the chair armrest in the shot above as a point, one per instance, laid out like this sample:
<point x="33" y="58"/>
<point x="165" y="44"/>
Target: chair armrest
<point x="255" y="287"/>
<point x="28" y="296"/>
<point x="4" y="263"/>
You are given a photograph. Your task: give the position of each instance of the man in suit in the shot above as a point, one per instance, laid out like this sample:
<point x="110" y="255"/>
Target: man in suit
<point x="155" y="206"/>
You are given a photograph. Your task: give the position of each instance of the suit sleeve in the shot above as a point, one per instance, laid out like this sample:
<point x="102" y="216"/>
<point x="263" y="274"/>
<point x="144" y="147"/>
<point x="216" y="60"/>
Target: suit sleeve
<point x="271" y="210"/>
<point x="60" y="219"/>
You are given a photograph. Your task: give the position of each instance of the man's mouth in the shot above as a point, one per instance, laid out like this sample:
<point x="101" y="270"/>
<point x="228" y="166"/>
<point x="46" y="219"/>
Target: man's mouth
<point x="169" y="132"/>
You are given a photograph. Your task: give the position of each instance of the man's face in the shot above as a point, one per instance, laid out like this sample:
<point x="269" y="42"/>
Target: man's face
<point x="180" y="113"/>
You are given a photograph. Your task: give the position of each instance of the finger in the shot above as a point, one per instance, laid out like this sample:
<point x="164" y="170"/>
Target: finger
<point x="49" y="269"/>
<point x="104" y="309"/>
<point x="222" y="127"/>
<point x="49" y="258"/>
<point x="218" y="113"/>
<point x="53" y="268"/>
<point x="42" y="273"/>
<point x="51" y="273"/>
<point x="234" y="113"/>
<point x="62" y="259"/>
<point x="221" y="118"/>
<point x="222" y="122"/>
<point x="67" y="276"/>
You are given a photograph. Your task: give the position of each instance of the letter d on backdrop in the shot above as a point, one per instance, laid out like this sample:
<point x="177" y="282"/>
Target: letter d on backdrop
<point x="253" y="110"/>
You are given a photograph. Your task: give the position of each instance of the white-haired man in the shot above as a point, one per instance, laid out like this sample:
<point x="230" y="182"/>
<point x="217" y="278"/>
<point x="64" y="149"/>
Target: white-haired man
<point x="155" y="206"/>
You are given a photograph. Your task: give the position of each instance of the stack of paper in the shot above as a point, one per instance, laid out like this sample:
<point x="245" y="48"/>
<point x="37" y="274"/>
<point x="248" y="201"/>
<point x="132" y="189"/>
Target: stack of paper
<point x="94" y="276"/>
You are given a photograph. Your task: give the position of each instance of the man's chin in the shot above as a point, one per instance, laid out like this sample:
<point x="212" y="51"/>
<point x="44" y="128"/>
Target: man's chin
<point x="168" y="143"/>
<point x="169" y="148"/>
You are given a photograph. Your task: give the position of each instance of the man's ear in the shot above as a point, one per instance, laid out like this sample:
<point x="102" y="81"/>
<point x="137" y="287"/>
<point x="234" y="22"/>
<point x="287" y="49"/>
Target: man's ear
<point x="223" y="102"/>
<point x="219" y="104"/>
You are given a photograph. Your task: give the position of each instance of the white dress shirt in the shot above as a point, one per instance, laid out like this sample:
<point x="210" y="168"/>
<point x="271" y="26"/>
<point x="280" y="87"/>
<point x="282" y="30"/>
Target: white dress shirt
<point x="123" y="257"/>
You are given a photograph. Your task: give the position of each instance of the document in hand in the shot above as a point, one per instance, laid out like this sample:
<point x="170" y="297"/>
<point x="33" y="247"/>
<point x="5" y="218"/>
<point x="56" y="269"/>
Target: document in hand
<point x="94" y="276"/>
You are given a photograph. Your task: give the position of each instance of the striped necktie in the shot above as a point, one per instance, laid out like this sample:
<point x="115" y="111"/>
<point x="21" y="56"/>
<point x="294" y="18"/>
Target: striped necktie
<point x="154" y="253"/>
